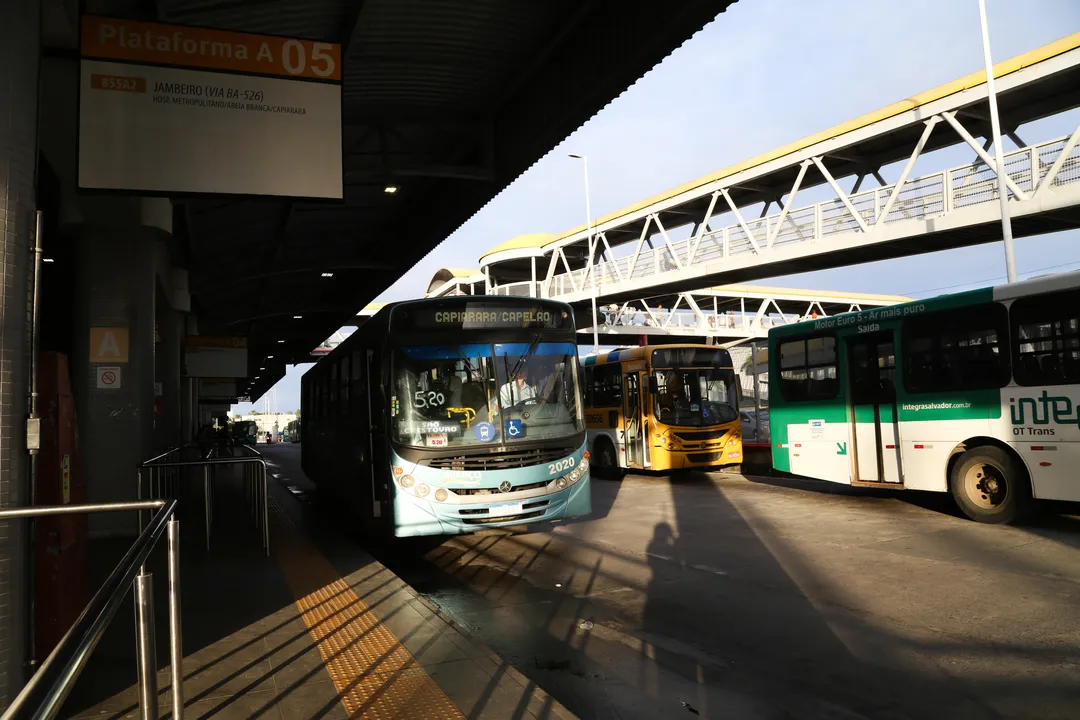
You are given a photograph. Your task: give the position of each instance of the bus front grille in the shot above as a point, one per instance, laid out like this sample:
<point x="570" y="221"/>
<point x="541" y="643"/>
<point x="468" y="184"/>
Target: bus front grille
<point x="482" y="512"/>
<point x="508" y="518"/>
<point x="498" y="460"/>
<point x="704" y="457"/>
<point x="700" y="435"/>
<point x="496" y="491"/>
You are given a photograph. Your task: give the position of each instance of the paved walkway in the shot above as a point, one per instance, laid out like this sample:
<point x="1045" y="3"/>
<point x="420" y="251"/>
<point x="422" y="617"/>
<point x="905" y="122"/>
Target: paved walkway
<point x="309" y="632"/>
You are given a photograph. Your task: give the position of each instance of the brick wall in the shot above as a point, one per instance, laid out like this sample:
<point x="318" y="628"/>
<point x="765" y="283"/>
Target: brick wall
<point x="19" y="57"/>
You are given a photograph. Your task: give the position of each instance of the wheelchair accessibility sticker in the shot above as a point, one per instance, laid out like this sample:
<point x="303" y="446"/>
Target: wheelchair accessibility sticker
<point x="515" y="428"/>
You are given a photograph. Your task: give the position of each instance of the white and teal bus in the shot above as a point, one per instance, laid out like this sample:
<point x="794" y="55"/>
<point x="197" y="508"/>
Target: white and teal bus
<point x="975" y="393"/>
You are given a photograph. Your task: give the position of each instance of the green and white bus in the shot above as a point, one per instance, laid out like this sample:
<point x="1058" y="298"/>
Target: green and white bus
<point x="975" y="393"/>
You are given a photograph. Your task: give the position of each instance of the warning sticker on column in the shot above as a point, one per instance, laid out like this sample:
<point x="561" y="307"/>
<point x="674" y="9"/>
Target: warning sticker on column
<point x="177" y="109"/>
<point x="109" y="378"/>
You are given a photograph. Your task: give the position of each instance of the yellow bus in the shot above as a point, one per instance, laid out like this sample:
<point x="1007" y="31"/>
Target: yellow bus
<point x="662" y="407"/>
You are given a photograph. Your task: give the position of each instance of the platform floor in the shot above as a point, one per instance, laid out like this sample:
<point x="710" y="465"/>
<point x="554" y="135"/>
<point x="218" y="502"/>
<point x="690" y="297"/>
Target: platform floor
<point x="309" y="632"/>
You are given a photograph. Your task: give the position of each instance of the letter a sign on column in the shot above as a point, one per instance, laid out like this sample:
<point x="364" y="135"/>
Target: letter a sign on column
<point x="108" y="344"/>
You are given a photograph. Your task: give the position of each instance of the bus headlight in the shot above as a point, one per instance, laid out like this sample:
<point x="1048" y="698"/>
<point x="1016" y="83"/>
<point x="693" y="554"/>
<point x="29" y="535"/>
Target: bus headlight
<point x="406" y="481"/>
<point x="584" y="466"/>
<point x="441" y="494"/>
<point x="561" y="483"/>
<point x="422" y="490"/>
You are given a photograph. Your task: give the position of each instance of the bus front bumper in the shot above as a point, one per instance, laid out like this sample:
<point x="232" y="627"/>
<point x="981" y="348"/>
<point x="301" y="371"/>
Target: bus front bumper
<point x="421" y="516"/>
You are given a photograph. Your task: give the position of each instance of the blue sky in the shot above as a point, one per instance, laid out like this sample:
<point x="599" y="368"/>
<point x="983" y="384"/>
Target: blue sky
<point x="762" y="74"/>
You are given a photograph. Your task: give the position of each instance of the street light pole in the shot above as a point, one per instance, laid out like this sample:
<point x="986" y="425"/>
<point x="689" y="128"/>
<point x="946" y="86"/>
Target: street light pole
<point x="592" y="252"/>
<point x="999" y="157"/>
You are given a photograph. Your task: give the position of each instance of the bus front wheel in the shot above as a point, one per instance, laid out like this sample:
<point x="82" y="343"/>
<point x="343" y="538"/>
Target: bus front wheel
<point x="605" y="462"/>
<point x="990" y="486"/>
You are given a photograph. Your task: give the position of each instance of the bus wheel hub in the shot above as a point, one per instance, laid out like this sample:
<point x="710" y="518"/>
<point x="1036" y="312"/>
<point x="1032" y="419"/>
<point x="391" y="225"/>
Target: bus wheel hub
<point x="984" y="486"/>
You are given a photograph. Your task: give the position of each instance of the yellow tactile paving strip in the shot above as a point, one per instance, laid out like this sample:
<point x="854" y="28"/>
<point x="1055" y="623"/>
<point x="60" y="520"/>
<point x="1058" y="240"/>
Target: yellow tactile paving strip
<point x="375" y="676"/>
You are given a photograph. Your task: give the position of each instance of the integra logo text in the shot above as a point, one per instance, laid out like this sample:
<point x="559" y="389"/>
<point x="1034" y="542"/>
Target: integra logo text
<point x="1058" y="408"/>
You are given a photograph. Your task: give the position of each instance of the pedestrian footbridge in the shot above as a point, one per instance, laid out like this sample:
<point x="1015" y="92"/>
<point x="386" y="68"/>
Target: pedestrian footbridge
<point x="756" y="219"/>
<point x="729" y="314"/>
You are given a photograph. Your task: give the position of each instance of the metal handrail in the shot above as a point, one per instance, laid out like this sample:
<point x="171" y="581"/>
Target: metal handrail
<point x="255" y="486"/>
<point x="44" y="694"/>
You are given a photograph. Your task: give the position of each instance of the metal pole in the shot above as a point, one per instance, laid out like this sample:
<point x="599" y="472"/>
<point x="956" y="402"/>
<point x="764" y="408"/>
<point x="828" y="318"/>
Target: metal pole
<point x="592" y="259"/>
<point x="206" y="502"/>
<point x="176" y="638"/>
<point x="31" y="525"/>
<point x="757" y="401"/>
<point x="995" y="127"/>
<point x="266" y="509"/>
<point x="146" y="645"/>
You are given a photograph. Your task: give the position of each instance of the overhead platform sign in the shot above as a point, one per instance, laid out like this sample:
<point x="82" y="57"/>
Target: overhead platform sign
<point x="173" y="109"/>
<point x="215" y="357"/>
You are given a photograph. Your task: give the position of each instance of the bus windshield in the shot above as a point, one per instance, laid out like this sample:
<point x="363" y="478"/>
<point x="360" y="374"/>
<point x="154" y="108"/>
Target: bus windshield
<point x="478" y="394"/>
<point x="696" y="397"/>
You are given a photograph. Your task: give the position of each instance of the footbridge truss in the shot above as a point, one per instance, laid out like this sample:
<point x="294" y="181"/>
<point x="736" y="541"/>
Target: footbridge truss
<point x="751" y="221"/>
<point x="726" y="315"/>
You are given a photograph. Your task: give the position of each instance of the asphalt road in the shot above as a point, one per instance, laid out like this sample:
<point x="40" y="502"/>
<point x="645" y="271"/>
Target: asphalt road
<point x="726" y="596"/>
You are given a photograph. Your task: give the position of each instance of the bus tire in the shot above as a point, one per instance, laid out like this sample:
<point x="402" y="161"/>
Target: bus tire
<point x="605" y="463"/>
<point x="990" y="486"/>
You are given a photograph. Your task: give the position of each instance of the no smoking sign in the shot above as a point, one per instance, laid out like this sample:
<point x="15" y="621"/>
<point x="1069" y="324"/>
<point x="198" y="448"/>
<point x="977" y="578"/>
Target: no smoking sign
<point x="108" y="378"/>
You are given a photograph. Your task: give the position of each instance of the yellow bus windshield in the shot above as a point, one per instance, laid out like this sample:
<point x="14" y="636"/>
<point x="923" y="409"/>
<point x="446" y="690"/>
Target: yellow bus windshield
<point x="695" y="397"/>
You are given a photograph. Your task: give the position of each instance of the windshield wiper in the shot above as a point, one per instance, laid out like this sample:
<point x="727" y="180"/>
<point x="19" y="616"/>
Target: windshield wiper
<point x="468" y="363"/>
<point x="525" y="358"/>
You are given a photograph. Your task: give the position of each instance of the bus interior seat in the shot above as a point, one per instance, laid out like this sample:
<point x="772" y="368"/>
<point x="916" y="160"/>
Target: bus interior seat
<point x="1071" y="368"/>
<point x="455" y="391"/>
<point x="1031" y="365"/>
<point x="1050" y="370"/>
<point x="473" y="396"/>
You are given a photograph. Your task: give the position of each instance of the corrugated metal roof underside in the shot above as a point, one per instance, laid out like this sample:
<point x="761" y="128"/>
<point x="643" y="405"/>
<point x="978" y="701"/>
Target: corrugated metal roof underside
<point x="449" y="100"/>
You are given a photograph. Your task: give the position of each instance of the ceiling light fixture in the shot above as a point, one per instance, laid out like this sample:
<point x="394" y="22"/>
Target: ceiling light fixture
<point x="390" y="189"/>
<point x="47" y="260"/>
<point x="328" y="274"/>
<point x="297" y="317"/>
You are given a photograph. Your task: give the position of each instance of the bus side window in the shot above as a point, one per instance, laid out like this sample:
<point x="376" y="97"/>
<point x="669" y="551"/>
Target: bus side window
<point x="358" y="394"/>
<point x="960" y="349"/>
<point x="1046" y="338"/>
<point x="607" y="386"/>
<point x="808" y="369"/>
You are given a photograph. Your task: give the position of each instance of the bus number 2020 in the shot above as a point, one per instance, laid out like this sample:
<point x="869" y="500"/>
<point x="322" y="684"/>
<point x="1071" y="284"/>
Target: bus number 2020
<point x="556" y="467"/>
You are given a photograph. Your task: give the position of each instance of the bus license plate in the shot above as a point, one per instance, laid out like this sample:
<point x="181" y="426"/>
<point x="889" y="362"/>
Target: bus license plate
<point x="504" y="510"/>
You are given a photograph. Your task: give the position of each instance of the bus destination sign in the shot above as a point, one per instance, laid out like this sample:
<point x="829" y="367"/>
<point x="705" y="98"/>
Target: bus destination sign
<point x="481" y="316"/>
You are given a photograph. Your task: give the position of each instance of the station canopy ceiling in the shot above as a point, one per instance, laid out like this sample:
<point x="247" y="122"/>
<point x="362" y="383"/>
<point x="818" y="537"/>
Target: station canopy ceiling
<point x="447" y="100"/>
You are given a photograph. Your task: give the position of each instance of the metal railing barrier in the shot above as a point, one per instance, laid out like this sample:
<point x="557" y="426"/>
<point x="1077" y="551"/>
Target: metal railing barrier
<point x="163" y="475"/>
<point x="48" y="688"/>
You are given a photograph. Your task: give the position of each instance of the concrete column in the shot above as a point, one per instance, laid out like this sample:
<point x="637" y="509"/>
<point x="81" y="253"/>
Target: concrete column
<point x="20" y="35"/>
<point x="116" y="288"/>
<point x="172" y="343"/>
<point x="167" y="425"/>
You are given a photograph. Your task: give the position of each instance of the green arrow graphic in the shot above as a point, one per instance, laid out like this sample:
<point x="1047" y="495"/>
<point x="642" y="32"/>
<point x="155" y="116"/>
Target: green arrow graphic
<point x="841" y="448"/>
